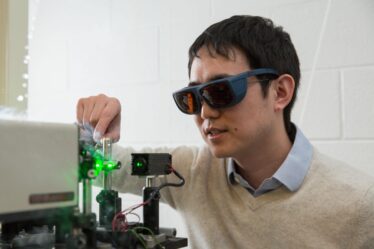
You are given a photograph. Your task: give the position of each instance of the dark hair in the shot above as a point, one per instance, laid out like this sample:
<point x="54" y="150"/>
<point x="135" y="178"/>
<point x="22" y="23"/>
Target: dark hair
<point x="264" y="45"/>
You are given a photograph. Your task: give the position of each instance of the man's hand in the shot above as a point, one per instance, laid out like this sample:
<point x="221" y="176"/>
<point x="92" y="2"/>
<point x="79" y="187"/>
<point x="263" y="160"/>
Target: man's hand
<point x="103" y="114"/>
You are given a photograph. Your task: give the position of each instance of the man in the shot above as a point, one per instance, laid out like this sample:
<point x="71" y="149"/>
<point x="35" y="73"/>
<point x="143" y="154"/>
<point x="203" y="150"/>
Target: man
<point x="258" y="183"/>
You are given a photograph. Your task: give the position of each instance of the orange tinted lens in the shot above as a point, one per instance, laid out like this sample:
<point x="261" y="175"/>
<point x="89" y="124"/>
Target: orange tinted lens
<point x="186" y="102"/>
<point x="190" y="102"/>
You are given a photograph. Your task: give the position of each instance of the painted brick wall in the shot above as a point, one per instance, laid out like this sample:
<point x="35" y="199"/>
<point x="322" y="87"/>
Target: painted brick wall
<point x="136" y="50"/>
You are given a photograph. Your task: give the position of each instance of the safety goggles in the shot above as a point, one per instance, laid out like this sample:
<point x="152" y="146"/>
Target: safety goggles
<point x="221" y="93"/>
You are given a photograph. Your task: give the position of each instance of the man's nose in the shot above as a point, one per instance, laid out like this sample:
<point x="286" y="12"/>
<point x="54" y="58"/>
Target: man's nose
<point x="208" y="112"/>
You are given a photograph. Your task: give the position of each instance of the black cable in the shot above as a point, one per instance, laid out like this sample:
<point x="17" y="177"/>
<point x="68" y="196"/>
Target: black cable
<point x="171" y="184"/>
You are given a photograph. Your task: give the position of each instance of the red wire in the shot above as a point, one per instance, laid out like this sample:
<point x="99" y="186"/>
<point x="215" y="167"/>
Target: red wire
<point x="123" y="214"/>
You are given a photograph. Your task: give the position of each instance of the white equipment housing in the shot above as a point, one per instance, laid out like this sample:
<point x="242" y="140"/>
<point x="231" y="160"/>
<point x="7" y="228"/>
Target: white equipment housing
<point x="39" y="165"/>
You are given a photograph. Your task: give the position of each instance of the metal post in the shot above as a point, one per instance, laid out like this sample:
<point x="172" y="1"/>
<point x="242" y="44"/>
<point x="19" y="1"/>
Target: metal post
<point x="149" y="181"/>
<point x="151" y="209"/>
<point x="87" y="196"/>
<point x="107" y="153"/>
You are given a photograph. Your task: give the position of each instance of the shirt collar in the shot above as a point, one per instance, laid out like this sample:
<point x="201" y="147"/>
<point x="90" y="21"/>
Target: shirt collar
<point x="293" y="170"/>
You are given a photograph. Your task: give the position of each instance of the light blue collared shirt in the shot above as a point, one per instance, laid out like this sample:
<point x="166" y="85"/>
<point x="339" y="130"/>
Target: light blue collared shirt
<point x="290" y="174"/>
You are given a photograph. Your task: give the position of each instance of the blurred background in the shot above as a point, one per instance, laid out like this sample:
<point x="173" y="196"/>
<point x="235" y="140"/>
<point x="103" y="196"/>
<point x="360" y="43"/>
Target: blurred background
<point x="53" y="52"/>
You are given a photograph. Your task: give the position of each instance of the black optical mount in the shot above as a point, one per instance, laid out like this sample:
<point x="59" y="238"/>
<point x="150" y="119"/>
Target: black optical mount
<point x="152" y="165"/>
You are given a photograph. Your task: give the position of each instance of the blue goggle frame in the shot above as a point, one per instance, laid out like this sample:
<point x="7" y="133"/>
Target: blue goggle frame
<point x="221" y="93"/>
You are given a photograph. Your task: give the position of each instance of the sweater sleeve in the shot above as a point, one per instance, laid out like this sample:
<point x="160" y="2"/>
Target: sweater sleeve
<point x="364" y="237"/>
<point x="184" y="161"/>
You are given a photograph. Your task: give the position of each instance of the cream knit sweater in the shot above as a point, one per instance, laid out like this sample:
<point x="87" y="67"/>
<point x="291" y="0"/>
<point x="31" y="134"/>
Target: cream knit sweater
<point x="334" y="208"/>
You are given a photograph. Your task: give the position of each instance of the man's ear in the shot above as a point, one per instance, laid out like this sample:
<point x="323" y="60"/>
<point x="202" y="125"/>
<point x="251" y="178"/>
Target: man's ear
<point x="283" y="87"/>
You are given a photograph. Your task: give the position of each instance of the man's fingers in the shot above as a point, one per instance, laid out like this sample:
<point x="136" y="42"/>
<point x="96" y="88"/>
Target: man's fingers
<point x="101" y="115"/>
<point x="88" y="106"/>
<point x="109" y="118"/>
<point x="104" y="129"/>
<point x="96" y="113"/>
<point x="114" y="135"/>
<point x="114" y="129"/>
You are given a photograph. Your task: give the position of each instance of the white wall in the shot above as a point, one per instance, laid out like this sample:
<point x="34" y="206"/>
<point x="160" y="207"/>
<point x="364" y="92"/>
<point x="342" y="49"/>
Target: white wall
<point x="136" y="50"/>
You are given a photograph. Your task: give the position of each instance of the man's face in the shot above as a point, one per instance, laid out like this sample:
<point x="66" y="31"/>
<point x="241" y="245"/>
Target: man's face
<point x="240" y="130"/>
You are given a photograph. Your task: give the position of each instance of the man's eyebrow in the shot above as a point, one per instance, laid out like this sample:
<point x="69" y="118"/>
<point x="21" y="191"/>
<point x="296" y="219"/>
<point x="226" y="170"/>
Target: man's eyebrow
<point x="215" y="77"/>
